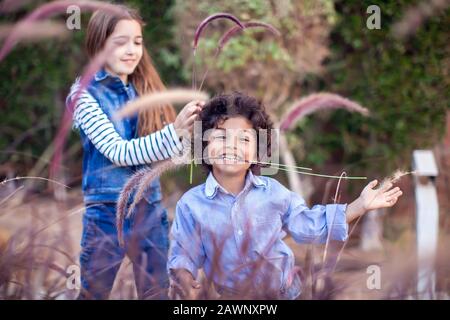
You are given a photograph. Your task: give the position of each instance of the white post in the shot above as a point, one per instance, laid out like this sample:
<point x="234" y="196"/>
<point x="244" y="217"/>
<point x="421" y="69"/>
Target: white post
<point x="427" y="221"/>
<point x="372" y="231"/>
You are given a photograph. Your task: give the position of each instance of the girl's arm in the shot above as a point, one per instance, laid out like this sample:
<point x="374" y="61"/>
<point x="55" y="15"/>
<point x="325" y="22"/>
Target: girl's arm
<point x="157" y="146"/>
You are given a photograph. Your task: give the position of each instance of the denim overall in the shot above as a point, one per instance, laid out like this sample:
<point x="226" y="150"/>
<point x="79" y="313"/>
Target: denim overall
<point x="145" y="231"/>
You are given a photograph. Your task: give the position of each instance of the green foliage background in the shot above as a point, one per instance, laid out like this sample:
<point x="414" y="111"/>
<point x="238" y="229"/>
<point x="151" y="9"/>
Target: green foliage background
<point x="404" y="84"/>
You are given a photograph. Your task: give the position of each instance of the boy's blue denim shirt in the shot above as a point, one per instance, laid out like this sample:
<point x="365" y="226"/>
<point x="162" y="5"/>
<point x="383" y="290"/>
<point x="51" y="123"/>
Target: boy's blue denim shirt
<point x="231" y="237"/>
<point x="102" y="181"/>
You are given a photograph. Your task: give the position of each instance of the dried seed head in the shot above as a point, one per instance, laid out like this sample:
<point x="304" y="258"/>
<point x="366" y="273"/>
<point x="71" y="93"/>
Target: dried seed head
<point x="205" y="22"/>
<point x="236" y="29"/>
<point x="50" y="9"/>
<point x="124" y="197"/>
<point x="318" y="101"/>
<point x="35" y="31"/>
<point x="140" y="181"/>
<point x="394" y="177"/>
<point x="158" y="98"/>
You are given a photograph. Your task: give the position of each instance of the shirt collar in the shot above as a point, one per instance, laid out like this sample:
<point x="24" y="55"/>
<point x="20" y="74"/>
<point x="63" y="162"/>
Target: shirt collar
<point x="211" y="185"/>
<point x="101" y="75"/>
<point x="112" y="81"/>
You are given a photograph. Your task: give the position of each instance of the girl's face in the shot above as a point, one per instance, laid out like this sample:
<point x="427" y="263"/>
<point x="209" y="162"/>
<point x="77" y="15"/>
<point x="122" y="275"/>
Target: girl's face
<point x="232" y="146"/>
<point x="127" y="40"/>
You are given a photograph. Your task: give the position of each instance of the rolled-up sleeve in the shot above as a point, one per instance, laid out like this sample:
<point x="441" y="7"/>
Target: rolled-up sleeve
<point x="313" y="225"/>
<point x="186" y="248"/>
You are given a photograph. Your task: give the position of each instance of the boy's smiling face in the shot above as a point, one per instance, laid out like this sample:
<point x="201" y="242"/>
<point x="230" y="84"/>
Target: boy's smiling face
<point x="232" y="146"/>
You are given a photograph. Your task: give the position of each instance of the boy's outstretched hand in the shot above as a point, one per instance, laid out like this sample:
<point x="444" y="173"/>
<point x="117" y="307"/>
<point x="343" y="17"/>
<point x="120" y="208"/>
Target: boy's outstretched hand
<point x="371" y="199"/>
<point x="379" y="198"/>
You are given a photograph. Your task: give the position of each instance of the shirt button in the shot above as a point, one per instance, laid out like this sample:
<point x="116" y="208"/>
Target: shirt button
<point x="240" y="232"/>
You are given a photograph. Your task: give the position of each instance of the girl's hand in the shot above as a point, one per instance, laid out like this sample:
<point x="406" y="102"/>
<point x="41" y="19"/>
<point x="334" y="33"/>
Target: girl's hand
<point x="184" y="123"/>
<point x="379" y="198"/>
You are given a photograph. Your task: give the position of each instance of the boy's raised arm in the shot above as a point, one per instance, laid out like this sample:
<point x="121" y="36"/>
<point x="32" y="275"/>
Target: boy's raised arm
<point x="312" y="225"/>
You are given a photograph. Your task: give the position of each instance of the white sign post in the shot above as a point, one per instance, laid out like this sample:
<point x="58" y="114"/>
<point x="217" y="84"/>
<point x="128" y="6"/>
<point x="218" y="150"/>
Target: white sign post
<point x="427" y="221"/>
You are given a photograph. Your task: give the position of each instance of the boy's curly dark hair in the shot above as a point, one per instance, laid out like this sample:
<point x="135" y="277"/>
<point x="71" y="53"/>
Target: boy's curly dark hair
<point x="225" y="106"/>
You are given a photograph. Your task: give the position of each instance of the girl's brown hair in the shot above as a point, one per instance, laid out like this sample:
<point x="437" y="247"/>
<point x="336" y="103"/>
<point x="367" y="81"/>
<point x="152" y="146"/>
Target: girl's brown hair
<point x="145" y="78"/>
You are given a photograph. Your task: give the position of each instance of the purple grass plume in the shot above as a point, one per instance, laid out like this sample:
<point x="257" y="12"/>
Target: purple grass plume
<point x="315" y="102"/>
<point x="50" y="9"/>
<point x="140" y="181"/>
<point x="237" y="30"/>
<point x="124" y="197"/>
<point x="205" y="22"/>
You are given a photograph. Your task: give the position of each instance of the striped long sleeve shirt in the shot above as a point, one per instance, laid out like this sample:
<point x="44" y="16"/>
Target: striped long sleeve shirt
<point x="89" y="117"/>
